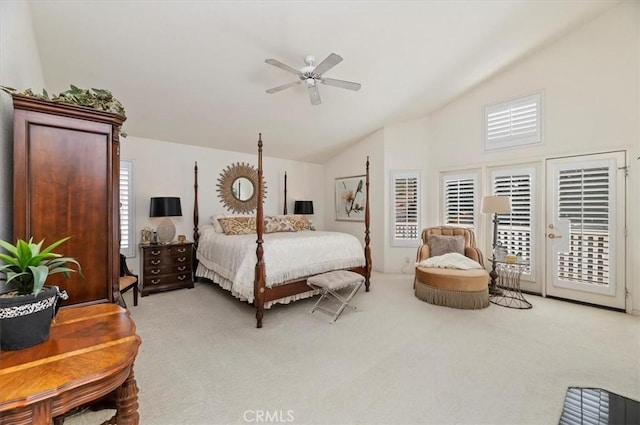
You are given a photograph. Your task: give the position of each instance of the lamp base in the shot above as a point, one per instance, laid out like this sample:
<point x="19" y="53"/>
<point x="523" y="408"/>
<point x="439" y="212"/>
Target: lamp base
<point x="166" y="230"/>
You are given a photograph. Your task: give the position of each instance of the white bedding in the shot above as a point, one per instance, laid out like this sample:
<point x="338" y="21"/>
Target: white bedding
<point x="452" y="260"/>
<point x="230" y="260"/>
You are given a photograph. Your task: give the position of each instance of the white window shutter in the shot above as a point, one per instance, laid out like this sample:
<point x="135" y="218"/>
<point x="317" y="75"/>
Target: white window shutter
<point x="127" y="227"/>
<point x="514" y="123"/>
<point x="459" y="193"/>
<point x="515" y="230"/>
<point x="405" y="205"/>
<point x="584" y="198"/>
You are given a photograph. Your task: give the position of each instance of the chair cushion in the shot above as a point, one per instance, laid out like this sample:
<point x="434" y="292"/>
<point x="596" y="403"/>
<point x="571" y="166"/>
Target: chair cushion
<point x="126" y="281"/>
<point x="336" y="279"/>
<point x="454" y="279"/>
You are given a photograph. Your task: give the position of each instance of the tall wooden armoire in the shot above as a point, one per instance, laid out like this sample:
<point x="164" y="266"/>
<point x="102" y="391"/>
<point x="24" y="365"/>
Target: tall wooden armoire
<point x="66" y="183"/>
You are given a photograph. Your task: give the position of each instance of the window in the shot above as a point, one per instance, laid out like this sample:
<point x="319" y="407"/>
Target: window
<point x="459" y="199"/>
<point x="514" y="123"/>
<point x="405" y="194"/>
<point x="515" y="230"/>
<point x="127" y="226"/>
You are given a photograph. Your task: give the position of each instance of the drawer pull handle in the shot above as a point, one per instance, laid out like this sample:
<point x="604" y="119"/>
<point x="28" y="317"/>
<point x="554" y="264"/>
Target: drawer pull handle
<point x="181" y="259"/>
<point x="182" y="277"/>
<point x="155" y="271"/>
<point x="155" y="262"/>
<point x="182" y="268"/>
<point x="182" y="249"/>
<point x="155" y="281"/>
<point x="155" y="252"/>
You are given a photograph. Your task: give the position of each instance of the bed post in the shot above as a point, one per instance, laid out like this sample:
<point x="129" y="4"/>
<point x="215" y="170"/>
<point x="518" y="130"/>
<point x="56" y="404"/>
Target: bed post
<point x="367" y="239"/>
<point x="259" y="283"/>
<point x="284" y="210"/>
<point x="196" y="218"/>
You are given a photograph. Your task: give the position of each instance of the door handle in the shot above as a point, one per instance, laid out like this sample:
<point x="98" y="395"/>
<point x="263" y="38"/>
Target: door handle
<point x="552" y="236"/>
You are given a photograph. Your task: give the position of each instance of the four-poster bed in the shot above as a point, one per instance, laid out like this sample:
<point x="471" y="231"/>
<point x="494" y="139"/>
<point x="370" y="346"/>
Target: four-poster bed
<point x="285" y="281"/>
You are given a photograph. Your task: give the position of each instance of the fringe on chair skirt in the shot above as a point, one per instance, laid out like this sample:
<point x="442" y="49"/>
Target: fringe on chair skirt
<point x="468" y="300"/>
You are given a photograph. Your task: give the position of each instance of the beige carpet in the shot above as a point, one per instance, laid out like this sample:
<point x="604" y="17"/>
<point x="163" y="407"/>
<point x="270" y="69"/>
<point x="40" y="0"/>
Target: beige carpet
<point x="396" y="360"/>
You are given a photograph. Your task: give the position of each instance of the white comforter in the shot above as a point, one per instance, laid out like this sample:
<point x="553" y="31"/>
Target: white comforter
<point x="287" y="256"/>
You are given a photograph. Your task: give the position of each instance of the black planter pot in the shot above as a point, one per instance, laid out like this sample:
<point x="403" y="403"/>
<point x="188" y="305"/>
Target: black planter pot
<point x="25" y="319"/>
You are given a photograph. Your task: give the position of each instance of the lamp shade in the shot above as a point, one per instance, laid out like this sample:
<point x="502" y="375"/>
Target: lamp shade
<point x="165" y="207"/>
<point x="496" y="205"/>
<point x="303" y="207"/>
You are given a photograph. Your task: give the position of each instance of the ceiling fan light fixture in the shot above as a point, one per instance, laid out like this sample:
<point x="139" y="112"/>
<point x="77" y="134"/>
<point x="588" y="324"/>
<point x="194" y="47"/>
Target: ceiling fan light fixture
<point x="311" y="74"/>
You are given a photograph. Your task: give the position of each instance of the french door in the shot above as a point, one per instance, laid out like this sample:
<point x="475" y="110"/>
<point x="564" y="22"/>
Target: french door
<point x="585" y="229"/>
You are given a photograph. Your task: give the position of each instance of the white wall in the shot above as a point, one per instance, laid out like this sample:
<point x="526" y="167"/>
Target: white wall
<point x="166" y="169"/>
<point x="405" y="149"/>
<point x="590" y="79"/>
<point x="19" y="68"/>
<point x="352" y="162"/>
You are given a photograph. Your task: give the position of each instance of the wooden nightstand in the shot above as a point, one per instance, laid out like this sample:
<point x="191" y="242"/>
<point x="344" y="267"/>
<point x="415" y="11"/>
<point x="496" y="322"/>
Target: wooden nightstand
<point x="166" y="267"/>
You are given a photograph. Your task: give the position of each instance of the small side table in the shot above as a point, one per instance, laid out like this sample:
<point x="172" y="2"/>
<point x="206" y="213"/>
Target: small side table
<point x="509" y="281"/>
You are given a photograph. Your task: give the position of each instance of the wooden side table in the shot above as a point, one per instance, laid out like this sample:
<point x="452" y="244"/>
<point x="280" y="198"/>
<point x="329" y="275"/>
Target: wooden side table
<point x="89" y="354"/>
<point x="166" y="267"/>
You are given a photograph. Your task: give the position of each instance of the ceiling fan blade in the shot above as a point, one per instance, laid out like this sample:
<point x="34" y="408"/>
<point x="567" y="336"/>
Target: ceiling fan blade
<point x="341" y="83"/>
<point x="328" y="63"/>
<point x="314" y="95"/>
<point x="284" y="66"/>
<point x="284" y="86"/>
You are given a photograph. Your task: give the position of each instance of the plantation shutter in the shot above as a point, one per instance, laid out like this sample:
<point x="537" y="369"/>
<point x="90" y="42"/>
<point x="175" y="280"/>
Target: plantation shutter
<point x="584" y="199"/>
<point x="405" y="193"/>
<point x="513" y="123"/>
<point x="126" y="209"/>
<point x="459" y="193"/>
<point x="515" y="230"/>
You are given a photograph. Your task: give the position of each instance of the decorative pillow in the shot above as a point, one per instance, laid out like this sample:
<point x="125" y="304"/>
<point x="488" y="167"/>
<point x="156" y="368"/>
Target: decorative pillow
<point x="299" y="223"/>
<point x="216" y="224"/>
<point x="274" y="224"/>
<point x="441" y="244"/>
<point x="238" y="225"/>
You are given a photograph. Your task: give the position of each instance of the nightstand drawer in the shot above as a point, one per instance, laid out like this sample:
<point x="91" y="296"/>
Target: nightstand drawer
<point x="167" y="279"/>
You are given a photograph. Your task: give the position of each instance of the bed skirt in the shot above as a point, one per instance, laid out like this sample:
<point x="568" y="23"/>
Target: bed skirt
<point x="227" y="285"/>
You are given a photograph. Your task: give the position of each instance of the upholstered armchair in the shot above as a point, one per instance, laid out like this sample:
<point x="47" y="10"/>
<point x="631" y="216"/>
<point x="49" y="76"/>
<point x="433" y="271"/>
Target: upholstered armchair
<point x="457" y="288"/>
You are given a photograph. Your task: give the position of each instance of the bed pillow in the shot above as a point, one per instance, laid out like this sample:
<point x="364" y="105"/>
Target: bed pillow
<point x="441" y="244"/>
<point x="238" y="225"/>
<point x="275" y="224"/>
<point x="216" y="224"/>
<point x="299" y="223"/>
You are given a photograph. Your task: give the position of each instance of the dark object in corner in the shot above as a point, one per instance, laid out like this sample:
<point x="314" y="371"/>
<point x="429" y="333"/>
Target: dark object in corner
<point x="598" y="406"/>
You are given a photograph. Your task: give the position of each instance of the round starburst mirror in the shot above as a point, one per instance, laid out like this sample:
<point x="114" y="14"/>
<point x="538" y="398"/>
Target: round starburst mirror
<point x="237" y="188"/>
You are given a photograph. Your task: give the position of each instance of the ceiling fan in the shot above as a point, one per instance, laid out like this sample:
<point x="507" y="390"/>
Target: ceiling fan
<point x="311" y="75"/>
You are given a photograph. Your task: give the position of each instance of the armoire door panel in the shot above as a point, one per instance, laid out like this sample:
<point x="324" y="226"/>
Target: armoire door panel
<point x="64" y="186"/>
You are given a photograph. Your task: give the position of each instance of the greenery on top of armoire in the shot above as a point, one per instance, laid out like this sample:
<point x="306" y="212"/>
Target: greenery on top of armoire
<point x="99" y="99"/>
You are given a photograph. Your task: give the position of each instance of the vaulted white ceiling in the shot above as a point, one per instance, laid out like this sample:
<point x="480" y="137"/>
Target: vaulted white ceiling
<point x="193" y="72"/>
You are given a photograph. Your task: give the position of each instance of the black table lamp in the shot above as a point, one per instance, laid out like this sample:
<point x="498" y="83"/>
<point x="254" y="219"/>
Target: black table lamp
<point x="165" y="207"/>
<point x="304" y="208"/>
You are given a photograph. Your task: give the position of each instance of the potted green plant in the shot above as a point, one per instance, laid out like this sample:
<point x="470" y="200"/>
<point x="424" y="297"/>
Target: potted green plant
<point x="27" y="306"/>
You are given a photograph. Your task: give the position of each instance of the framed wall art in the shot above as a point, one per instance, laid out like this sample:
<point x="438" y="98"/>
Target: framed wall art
<point x="350" y="198"/>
